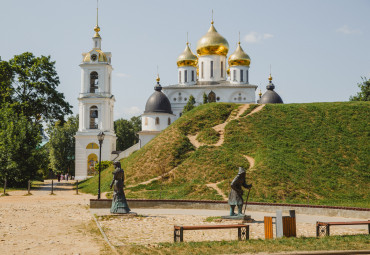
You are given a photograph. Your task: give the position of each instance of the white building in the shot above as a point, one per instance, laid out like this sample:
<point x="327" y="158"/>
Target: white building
<point x="208" y="73"/>
<point x="95" y="109"/>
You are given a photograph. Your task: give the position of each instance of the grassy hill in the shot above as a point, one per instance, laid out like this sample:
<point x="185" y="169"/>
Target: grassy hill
<point x="314" y="153"/>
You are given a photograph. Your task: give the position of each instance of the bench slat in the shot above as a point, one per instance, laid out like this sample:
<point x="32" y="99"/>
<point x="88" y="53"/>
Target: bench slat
<point x="210" y="227"/>
<point x="343" y="223"/>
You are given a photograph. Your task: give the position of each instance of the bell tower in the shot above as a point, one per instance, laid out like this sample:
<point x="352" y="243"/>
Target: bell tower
<point x="96" y="104"/>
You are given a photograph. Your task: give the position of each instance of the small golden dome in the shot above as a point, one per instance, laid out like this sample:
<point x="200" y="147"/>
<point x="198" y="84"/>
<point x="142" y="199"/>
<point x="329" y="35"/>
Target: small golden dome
<point x="270" y="78"/>
<point x="158" y="79"/>
<point x="187" y="58"/>
<point x="239" y="57"/>
<point x="100" y="58"/>
<point x="212" y="43"/>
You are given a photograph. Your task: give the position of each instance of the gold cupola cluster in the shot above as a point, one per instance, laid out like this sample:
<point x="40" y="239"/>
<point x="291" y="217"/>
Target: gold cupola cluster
<point x="187" y="58"/>
<point x="212" y="43"/>
<point x="239" y="57"/>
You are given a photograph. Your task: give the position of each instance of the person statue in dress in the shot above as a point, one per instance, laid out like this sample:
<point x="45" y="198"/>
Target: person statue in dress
<point x="119" y="203"/>
<point x="236" y="193"/>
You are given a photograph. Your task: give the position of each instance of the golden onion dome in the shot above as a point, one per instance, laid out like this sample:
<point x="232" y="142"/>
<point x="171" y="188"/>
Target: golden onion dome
<point x="187" y="58"/>
<point x="212" y="43"/>
<point x="100" y="57"/>
<point x="239" y="57"/>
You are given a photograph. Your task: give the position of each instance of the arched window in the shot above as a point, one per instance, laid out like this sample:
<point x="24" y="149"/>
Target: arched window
<point x="93" y="117"/>
<point x="186" y="76"/>
<point x="211" y="97"/>
<point x="201" y="70"/>
<point x="94" y="81"/>
<point x="179" y="76"/>
<point x="241" y="75"/>
<point x="169" y="121"/>
<point x="247" y="76"/>
<point x="157" y="120"/>
<point x="222" y="69"/>
<point x="192" y="75"/>
<point x="211" y="69"/>
<point x="234" y="74"/>
<point x="146" y="121"/>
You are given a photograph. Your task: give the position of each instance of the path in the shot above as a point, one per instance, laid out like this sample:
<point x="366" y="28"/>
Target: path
<point x="48" y="224"/>
<point x="219" y="191"/>
<point x="156" y="225"/>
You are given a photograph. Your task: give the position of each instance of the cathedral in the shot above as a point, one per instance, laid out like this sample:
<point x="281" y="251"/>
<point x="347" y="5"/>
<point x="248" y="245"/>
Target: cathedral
<point x="209" y="74"/>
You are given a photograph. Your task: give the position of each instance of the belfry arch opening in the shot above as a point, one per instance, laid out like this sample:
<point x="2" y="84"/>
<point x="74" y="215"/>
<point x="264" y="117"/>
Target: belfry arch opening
<point x="94" y="82"/>
<point x="94" y="117"/>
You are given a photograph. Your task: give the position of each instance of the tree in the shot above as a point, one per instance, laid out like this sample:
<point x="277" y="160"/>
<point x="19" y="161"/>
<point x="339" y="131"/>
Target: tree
<point x="190" y="105"/>
<point x="364" y="95"/>
<point x="126" y="132"/>
<point x="62" y="145"/>
<point x="205" y="98"/>
<point x="28" y="84"/>
<point x="19" y="157"/>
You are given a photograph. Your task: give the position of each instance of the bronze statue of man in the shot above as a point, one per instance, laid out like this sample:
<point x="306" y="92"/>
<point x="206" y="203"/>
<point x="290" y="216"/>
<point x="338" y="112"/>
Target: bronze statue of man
<point x="236" y="193"/>
<point x="119" y="203"/>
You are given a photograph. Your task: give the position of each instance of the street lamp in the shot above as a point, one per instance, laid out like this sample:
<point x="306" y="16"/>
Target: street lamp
<point x="100" y="139"/>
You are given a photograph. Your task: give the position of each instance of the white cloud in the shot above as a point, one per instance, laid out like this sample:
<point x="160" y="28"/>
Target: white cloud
<point x="254" y="37"/>
<point x="122" y="75"/>
<point x="348" y="31"/>
<point x="128" y="112"/>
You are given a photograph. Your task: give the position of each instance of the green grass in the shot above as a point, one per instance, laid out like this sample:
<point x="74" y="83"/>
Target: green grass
<point x="314" y="153"/>
<point x="337" y="243"/>
<point x="208" y="136"/>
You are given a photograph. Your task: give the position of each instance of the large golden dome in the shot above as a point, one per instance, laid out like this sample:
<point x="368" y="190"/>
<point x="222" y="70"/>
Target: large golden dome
<point x="212" y="43"/>
<point x="239" y="57"/>
<point x="187" y="58"/>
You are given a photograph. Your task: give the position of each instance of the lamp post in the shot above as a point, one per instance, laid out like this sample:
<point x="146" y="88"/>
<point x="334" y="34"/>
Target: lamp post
<point x="100" y="139"/>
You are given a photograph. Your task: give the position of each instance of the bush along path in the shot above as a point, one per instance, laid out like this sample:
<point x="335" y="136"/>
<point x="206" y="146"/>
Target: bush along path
<point x="220" y="129"/>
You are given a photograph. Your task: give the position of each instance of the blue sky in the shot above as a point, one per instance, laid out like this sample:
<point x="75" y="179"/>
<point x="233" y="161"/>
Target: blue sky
<point x="318" y="49"/>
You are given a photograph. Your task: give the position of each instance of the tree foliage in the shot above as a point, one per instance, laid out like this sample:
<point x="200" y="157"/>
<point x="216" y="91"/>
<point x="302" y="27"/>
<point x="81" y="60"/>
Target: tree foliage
<point x="190" y="104"/>
<point x="205" y="98"/>
<point x="62" y="145"/>
<point x="19" y="156"/>
<point x="28" y="84"/>
<point x="126" y="132"/>
<point x="364" y="94"/>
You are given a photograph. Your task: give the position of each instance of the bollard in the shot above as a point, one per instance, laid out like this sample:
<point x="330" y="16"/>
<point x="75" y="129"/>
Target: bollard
<point x="77" y="187"/>
<point x="29" y="187"/>
<point x="52" y="187"/>
<point x="279" y="223"/>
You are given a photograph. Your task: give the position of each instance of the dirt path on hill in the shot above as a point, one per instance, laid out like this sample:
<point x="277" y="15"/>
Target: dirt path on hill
<point x="48" y="224"/>
<point x="221" y="130"/>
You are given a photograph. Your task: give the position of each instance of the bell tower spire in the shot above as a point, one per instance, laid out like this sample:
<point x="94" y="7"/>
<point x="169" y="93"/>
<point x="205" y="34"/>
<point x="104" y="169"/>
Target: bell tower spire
<point x="97" y="38"/>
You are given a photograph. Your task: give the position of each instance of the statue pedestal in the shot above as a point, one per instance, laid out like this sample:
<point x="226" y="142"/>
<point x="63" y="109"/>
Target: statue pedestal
<point x="246" y="218"/>
<point x="130" y="214"/>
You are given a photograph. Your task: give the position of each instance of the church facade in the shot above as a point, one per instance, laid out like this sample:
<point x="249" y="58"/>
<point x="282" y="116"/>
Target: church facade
<point x="210" y="72"/>
<point x="96" y="104"/>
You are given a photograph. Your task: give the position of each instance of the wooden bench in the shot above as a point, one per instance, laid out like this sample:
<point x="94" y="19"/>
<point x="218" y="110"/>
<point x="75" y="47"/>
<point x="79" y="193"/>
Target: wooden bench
<point x="323" y="228"/>
<point x="243" y="230"/>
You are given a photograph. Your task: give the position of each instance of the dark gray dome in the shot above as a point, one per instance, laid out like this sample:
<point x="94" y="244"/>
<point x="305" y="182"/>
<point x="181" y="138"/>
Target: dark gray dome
<point x="270" y="96"/>
<point x="158" y="102"/>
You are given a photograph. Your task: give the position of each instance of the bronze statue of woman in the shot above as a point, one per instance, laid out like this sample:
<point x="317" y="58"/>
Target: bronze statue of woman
<point x="119" y="203"/>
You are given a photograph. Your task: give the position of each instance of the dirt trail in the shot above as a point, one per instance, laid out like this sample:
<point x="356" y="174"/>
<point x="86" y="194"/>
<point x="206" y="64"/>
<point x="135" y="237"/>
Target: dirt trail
<point x="48" y="224"/>
<point x="219" y="191"/>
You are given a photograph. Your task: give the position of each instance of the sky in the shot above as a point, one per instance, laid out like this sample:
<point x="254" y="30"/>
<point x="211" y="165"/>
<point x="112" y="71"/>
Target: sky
<point x="318" y="49"/>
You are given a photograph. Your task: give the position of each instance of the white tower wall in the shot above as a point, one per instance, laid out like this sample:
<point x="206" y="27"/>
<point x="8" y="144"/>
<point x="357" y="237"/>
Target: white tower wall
<point x="185" y="76"/>
<point x="205" y="68"/>
<point x="239" y="74"/>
